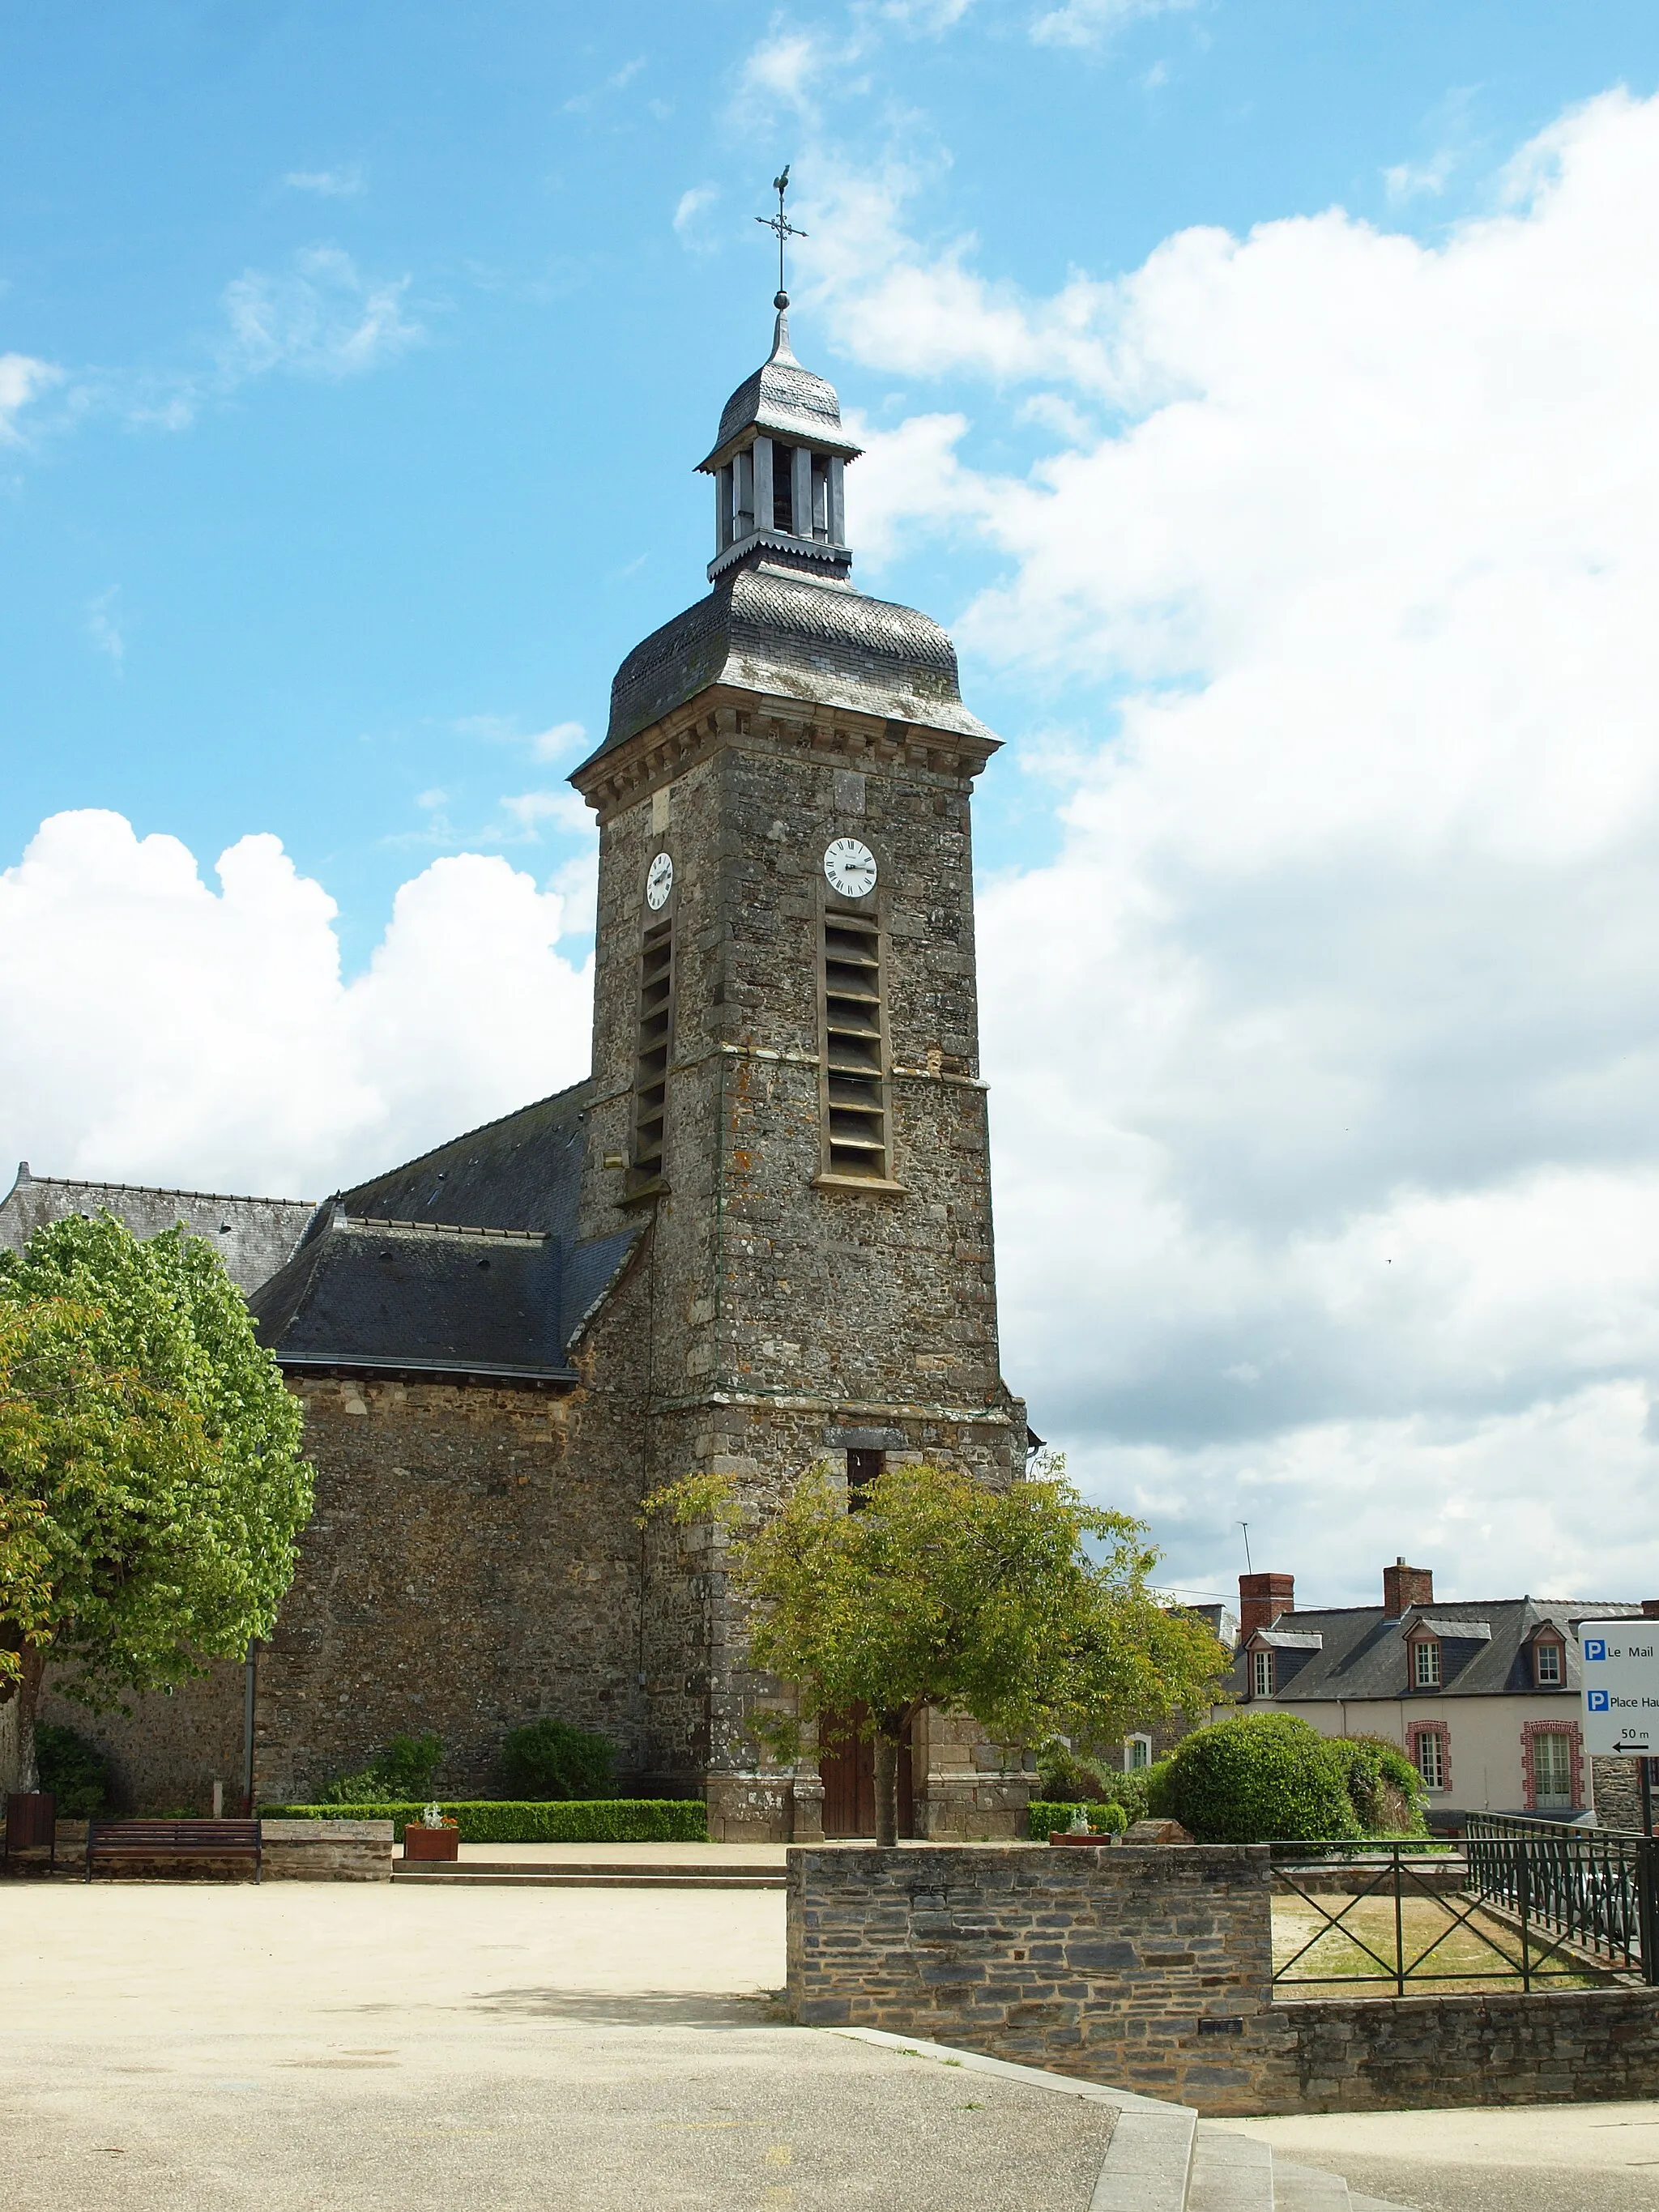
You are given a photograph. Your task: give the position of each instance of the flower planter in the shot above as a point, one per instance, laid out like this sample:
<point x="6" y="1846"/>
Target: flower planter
<point x="443" y="1842"/>
<point x="1065" y="1836"/>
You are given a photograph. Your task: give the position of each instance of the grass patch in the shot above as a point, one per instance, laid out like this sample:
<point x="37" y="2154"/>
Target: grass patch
<point x="1432" y="1941"/>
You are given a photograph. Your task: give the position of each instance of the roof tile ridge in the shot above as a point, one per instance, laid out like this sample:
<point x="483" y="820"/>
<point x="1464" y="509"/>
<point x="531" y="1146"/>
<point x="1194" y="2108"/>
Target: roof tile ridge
<point x="162" y="1190"/>
<point x="379" y="1221"/>
<point x="402" y="1167"/>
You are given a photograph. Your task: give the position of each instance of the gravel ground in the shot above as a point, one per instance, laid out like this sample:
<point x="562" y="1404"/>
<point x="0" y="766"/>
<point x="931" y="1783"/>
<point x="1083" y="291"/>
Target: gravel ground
<point x="346" y="2048"/>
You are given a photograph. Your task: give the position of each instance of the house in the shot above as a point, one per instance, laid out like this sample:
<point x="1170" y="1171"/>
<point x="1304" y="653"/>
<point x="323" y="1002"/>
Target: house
<point x="1482" y="1697"/>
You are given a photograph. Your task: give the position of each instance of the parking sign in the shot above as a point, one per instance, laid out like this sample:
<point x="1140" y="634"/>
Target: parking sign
<point x="1621" y="1686"/>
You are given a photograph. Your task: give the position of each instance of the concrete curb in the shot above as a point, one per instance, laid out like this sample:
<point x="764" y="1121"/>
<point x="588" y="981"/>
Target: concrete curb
<point x="1149" y="2158"/>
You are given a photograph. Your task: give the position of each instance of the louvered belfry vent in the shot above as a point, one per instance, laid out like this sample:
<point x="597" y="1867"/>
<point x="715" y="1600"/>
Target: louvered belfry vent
<point x="655" y="1038"/>
<point x="855" y="1090"/>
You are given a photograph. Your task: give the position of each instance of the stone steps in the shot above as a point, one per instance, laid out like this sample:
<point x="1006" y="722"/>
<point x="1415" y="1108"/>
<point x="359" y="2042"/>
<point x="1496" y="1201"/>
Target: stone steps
<point x="588" y="1874"/>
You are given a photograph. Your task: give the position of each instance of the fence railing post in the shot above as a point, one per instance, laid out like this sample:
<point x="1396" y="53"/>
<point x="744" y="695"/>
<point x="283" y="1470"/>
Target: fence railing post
<point x="1645" y="1913"/>
<point x="1399" y="1930"/>
<point x="1523" y="1901"/>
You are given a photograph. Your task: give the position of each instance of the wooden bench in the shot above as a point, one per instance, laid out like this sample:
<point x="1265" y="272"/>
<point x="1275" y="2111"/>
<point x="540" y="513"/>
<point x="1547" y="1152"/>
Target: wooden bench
<point x="126" y="1843"/>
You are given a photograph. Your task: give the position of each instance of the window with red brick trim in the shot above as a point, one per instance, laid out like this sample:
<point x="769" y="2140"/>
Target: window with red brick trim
<point x="1430" y="1745"/>
<point x="1552" y="1765"/>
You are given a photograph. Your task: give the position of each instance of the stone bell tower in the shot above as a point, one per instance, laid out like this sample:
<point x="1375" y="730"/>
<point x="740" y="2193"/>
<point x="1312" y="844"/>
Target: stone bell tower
<point x="786" y="1095"/>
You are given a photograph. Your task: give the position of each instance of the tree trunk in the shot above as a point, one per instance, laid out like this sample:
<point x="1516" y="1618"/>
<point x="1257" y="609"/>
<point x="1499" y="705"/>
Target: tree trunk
<point x="889" y="1731"/>
<point x="17" y="1767"/>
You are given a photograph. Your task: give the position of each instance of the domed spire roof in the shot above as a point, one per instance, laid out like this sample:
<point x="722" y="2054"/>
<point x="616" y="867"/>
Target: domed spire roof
<point x="782" y="398"/>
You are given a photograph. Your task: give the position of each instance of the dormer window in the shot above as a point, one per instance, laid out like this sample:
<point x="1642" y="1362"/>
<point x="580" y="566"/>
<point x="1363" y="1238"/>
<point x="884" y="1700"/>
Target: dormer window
<point x="1426" y="1664"/>
<point x="1547" y="1670"/>
<point x="1262" y="1674"/>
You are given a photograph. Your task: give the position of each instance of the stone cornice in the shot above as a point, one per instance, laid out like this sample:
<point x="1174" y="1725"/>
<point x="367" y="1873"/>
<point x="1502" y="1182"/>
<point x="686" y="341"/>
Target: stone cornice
<point x="723" y="715"/>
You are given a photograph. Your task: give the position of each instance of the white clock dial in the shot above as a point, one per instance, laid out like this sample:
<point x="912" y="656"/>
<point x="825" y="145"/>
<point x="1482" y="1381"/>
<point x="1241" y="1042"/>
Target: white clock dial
<point x="850" y="868"/>
<point x="659" y="882"/>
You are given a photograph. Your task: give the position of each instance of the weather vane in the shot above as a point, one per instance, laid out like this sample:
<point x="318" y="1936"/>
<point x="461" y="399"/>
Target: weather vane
<point x="784" y="229"/>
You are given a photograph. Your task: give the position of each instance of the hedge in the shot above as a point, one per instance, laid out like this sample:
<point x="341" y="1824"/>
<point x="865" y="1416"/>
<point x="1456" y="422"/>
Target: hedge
<point x="1258" y="1776"/>
<point x="586" y="1821"/>
<point x="1045" y="1816"/>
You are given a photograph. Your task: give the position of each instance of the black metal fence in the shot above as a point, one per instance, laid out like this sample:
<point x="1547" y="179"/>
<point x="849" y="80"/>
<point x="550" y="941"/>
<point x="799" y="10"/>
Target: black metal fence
<point x="1530" y="1902"/>
<point x="1592" y="1887"/>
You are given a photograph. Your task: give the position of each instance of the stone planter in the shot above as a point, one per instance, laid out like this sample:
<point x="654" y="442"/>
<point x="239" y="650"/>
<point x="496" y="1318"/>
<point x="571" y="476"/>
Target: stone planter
<point x="443" y="1842"/>
<point x="1065" y="1836"/>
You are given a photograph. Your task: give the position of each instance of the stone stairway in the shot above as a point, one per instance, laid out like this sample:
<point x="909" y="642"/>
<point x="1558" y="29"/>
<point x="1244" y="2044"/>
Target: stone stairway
<point x="598" y="1874"/>
<point x="1167" y="2160"/>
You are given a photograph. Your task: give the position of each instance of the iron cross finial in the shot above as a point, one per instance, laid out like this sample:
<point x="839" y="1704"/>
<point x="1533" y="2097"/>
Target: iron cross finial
<point x="784" y="229"/>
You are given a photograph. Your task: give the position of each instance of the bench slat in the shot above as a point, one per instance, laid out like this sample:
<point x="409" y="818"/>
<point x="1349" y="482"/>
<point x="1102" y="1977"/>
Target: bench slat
<point x="112" y="1840"/>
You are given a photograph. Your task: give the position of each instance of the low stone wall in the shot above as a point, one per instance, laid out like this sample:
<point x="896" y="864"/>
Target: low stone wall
<point x="1553" y="2047"/>
<point x="1146" y="1968"/>
<point x="1151" y="1970"/>
<point x="325" y="1851"/>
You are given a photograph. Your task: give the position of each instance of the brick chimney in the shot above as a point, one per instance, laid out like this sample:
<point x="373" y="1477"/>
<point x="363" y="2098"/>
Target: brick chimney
<point x="1403" y="1586"/>
<point x="1650" y="1608"/>
<point x="1260" y="1597"/>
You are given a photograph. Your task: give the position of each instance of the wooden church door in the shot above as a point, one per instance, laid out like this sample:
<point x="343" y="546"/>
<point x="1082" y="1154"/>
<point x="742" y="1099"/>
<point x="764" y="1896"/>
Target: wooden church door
<point x="848" y="1767"/>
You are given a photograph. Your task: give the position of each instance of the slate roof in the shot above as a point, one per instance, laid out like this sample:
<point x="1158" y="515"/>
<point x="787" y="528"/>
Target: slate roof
<point x="779" y="631"/>
<point x="252" y="1235"/>
<point x="782" y="396"/>
<point x="462" y="1261"/>
<point x="1362" y="1650"/>
<point x="523" y="1171"/>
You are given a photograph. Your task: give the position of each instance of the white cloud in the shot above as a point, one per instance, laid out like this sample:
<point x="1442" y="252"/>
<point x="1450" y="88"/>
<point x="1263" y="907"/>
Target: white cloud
<point x="530" y="810"/>
<point x="554" y="743"/>
<point x="105" y="630"/>
<point x="690" y="210"/>
<point x="23" y="380"/>
<point x="319" y="317"/>
<point x="152" y="1030"/>
<point x="343" y="183"/>
<point x="1411" y="180"/>
<point x="1092" y="22"/>
<point x="1325" y="1053"/>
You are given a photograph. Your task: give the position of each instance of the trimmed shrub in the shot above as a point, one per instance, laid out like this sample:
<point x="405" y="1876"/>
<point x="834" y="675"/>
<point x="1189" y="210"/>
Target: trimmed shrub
<point x="589" y="1820"/>
<point x="1044" y="1815"/>
<point x="551" y="1758"/>
<point x="1383" y="1787"/>
<point x="1067" y="1779"/>
<point x="74" y="1771"/>
<point x="1258" y="1777"/>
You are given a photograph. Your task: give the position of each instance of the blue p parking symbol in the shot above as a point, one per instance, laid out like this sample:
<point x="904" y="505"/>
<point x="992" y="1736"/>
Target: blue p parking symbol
<point x="1597" y="1701"/>
<point x="1595" y="1647"/>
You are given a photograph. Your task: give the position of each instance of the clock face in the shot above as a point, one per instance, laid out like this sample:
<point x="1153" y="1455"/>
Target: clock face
<point x="850" y="868"/>
<point x="659" y="882"/>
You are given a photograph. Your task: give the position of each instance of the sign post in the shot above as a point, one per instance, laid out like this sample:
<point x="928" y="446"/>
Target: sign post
<point x="1620" y="1667"/>
<point x="1621" y="1662"/>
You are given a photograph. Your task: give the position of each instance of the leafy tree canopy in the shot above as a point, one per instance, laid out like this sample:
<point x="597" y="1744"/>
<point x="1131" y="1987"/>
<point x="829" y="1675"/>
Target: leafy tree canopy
<point x="1024" y="1606"/>
<point x="151" y="1488"/>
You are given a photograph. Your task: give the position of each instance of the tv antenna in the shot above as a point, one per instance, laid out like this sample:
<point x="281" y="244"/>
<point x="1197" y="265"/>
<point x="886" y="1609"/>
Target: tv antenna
<point x="1249" y="1568"/>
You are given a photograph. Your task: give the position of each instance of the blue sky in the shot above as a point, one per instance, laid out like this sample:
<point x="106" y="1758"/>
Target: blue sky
<point x="1263" y="394"/>
<point x="269" y="590"/>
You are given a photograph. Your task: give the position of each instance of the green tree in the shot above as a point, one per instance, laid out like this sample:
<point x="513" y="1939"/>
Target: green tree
<point x="1024" y="1606"/>
<point x="151" y="1486"/>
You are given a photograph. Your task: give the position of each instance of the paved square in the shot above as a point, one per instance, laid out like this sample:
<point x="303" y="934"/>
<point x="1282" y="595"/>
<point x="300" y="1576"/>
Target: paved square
<point x="346" y="2048"/>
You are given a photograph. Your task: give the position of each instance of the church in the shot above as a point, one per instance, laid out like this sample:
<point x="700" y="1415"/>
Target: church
<point x="757" y="1236"/>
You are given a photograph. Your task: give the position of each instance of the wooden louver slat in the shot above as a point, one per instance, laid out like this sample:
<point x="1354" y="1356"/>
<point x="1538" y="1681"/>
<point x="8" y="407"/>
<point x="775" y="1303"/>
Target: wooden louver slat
<point x="856" y="1139"/>
<point x="652" y="1049"/>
